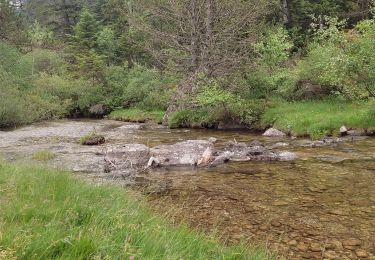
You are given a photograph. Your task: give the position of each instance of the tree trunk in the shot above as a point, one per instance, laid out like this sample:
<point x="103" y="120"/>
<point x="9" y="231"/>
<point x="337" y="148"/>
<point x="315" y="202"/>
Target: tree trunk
<point x="194" y="36"/>
<point x="286" y="12"/>
<point x="208" y="38"/>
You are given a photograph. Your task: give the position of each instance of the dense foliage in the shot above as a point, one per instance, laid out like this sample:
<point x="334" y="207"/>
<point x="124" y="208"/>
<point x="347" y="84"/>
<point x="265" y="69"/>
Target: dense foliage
<point x="59" y="59"/>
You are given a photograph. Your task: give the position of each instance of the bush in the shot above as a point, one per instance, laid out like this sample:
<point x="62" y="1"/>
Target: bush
<point x="148" y="89"/>
<point x="194" y="117"/>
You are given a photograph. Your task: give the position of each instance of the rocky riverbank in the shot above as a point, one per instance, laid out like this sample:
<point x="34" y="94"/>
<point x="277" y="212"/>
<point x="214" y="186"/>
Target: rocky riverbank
<point x="303" y="198"/>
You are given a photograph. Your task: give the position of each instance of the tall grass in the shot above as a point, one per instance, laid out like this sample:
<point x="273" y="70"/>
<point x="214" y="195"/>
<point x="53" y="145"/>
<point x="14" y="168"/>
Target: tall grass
<point x="320" y="118"/>
<point x="47" y="214"/>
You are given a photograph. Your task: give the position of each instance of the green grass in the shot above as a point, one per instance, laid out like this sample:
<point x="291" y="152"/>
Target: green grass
<point x="137" y="115"/>
<point x="320" y="118"/>
<point x="44" y="155"/>
<point x="48" y="214"/>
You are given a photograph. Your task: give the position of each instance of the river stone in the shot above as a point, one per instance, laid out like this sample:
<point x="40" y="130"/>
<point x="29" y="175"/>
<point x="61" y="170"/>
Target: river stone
<point x="356" y="132"/>
<point x="273" y="132"/>
<point x="207" y="157"/>
<point x="279" y="145"/>
<point x="222" y="158"/>
<point x="351" y="242"/>
<point x="212" y="140"/>
<point x="126" y="156"/>
<point x="186" y="153"/>
<point x="315" y="247"/>
<point x="361" y="253"/>
<point x="343" y="130"/>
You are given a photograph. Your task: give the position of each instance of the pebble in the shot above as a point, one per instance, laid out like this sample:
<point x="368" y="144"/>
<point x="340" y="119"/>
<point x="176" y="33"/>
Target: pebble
<point x="280" y="203"/>
<point x="263" y="228"/>
<point x="275" y="223"/>
<point x="361" y="253"/>
<point x="335" y="245"/>
<point x="302" y="247"/>
<point x="315" y="247"/>
<point x="352" y="242"/>
<point x="331" y="255"/>
<point x="292" y="242"/>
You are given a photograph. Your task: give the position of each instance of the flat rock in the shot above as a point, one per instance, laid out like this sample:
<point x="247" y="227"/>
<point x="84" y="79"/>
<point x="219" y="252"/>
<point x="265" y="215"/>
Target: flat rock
<point x="352" y="242"/>
<point x="122" y="157"/>
<point x="186" y="153"/>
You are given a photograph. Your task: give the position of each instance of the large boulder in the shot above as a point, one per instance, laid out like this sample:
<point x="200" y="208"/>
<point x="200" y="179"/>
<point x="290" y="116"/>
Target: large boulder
<point x="273" y="132"/>
<point x="187" y="153"/>
<point x="124" y="157"/>
<point x="99" y="110"/>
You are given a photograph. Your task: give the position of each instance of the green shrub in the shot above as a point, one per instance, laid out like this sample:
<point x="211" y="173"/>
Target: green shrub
<point x="148" y="89"/>
<point x="194" y="117"/>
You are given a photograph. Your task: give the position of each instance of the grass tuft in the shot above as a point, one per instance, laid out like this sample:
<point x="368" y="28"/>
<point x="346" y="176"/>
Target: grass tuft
<point x="91" y="137"/>
<point x="44" y="155"/>
<point x="48" y="214"/>
<point x="137" y="115"/>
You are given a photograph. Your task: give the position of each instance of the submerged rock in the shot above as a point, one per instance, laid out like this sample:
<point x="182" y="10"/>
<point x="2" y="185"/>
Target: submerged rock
<point x="273" y="132"/>
<point x="287" y="156"/>
<point x="212" y="140"/>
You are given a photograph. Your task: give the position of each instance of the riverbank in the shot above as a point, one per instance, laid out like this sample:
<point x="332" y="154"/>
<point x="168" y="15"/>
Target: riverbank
<point x="137" y="115"/>
<point x="318" y="119"/>
<point x="314" y="119"/>
<point x="86" y="221"/>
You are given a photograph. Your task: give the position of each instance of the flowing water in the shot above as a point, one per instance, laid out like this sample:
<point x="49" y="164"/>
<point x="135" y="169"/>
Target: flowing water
<point x="321" y="206"/>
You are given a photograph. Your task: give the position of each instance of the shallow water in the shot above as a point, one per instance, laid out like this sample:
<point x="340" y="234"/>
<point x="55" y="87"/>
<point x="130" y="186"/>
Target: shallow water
<point x="319" y="207"/>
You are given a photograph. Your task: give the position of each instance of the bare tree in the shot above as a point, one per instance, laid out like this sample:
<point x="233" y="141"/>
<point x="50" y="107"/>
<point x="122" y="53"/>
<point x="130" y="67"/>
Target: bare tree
<point x="213" y="37"/>
<point x="209" y="36"/>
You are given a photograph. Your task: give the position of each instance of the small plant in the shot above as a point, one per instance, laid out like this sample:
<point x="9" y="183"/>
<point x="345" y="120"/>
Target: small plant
<point x="92" y="138"/>
<point x="44" y="155"/>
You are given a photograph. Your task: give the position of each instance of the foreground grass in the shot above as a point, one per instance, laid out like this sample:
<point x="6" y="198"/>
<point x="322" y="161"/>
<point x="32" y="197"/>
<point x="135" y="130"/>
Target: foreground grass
<point x="320" y="118"/>
<point x="137" y="115"/>
<point x="46" y="214"/>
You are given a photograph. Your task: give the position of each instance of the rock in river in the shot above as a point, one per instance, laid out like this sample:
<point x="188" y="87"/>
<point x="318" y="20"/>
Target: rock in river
<point x="273" y="132"/>
<point x="187" y="153"/>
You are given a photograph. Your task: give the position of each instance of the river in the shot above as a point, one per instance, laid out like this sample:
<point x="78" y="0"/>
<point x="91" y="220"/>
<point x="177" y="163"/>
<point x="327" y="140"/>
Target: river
<point x="321" y="206"/>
